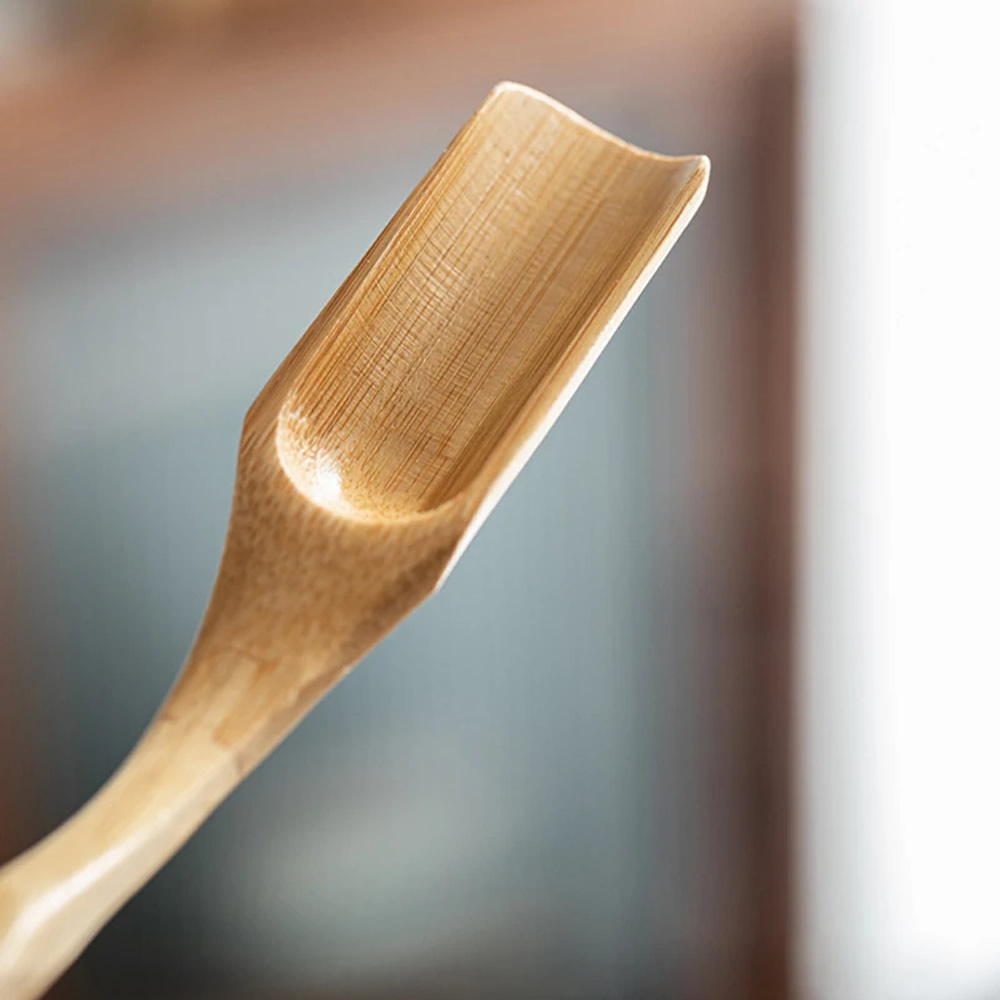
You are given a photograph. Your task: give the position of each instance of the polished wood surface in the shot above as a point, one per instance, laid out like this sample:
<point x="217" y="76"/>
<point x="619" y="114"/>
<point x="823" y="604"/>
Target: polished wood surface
<point x="366" y="465"/>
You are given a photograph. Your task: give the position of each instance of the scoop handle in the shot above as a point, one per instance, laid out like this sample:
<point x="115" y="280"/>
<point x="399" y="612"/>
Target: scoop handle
<point x="57" y="896"/>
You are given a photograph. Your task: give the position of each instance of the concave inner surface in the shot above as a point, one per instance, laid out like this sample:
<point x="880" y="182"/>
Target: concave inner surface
<point x="518" y="236"/>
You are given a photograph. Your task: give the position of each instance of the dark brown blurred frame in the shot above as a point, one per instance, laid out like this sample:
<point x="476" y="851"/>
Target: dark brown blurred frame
<point x="113" y="126"/>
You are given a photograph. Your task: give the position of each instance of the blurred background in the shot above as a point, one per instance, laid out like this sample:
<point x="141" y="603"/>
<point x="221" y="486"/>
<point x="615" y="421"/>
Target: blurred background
<point x="710" y="710"/>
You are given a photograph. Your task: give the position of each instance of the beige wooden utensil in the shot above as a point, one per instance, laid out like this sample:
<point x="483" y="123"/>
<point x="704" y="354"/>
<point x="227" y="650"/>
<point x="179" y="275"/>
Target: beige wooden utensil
<point x="365" y="467"/>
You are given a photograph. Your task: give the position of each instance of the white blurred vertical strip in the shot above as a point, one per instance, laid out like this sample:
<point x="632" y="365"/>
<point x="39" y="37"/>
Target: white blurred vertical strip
<point x="899" y="778"/>
<point x="835" y="728"/>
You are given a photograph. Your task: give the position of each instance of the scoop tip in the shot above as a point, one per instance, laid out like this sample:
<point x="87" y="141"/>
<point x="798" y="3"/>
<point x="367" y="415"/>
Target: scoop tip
<point x="699" y="163"/>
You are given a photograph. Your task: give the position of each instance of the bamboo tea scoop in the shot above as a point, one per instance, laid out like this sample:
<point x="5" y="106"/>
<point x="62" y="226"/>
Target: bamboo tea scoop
<point x="365" y="467"/>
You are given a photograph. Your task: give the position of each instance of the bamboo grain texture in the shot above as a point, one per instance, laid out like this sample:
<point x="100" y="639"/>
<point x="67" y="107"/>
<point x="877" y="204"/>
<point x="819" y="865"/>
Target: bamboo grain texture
<point x="366" y="465"/>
